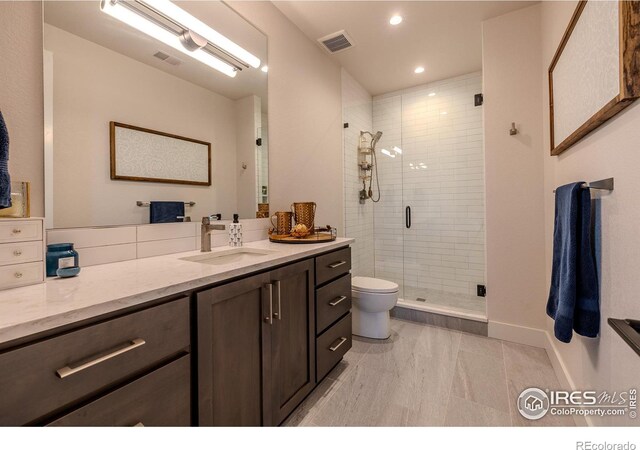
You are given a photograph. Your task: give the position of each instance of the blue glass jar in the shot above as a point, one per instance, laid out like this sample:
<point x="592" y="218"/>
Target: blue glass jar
<point x="61" y="256"/>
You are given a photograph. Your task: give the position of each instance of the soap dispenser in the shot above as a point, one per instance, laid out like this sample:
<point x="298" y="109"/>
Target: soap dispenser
<point x="235" y="233"/>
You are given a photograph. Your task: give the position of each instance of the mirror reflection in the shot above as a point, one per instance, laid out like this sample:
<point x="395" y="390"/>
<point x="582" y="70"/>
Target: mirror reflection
<point x="187" y="88"/>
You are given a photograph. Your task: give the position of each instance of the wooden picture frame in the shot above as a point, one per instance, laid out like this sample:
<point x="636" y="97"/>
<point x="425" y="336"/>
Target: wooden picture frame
<point x="628" y="35"/>
<point x="173" y="142"/>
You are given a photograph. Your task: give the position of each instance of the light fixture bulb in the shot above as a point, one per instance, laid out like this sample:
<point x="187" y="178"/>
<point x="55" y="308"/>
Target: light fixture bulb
<point x="395" y="20"/>
<point x="419" y="69"/>
<point x="432" y="94"/>
<point x="265" y="69"/>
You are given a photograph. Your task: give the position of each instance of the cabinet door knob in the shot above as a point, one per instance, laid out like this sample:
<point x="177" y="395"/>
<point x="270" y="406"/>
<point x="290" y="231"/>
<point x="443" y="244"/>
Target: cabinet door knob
<point x="17" y="231"/>
<point x="17" y="252"/>
<point x="18" y="274"/>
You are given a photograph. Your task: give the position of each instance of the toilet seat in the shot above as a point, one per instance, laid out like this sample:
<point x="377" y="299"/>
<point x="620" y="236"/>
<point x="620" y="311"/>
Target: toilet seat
<point x="373" y="285"/>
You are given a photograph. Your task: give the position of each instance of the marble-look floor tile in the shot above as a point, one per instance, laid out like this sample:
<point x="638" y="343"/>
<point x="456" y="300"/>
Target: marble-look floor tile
<point x="530" y="367"/>
<point x="464" y="413"/>
<point x="481" y="379"/>
<point x="480" y="345"/>
<point x="302" y="416"/>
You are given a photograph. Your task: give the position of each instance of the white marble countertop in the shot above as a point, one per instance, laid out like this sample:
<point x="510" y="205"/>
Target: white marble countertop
<point x="110" y="287"/>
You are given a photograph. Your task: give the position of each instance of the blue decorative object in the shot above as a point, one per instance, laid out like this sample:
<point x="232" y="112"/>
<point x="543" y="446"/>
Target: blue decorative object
<point x="61" y="256"/>
<point x="68" y="272"/>
<point x="5" y="179"/>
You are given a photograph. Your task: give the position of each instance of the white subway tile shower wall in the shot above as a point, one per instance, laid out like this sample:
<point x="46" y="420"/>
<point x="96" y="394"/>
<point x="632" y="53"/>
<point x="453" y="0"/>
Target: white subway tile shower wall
<point x="440" y="174"/>
<point x="357" y="112"/>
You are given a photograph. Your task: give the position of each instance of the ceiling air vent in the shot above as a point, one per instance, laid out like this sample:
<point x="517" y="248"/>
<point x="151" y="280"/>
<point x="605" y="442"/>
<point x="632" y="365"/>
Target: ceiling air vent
<point x="336" y="42"/>
<point x="168" y="59"/>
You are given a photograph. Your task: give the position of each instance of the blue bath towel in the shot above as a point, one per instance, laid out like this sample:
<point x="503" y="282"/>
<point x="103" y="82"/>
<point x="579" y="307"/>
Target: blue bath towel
<point x="573" y="297"/>
<point x="5" y="179"/>
<point x="165" y="212"/>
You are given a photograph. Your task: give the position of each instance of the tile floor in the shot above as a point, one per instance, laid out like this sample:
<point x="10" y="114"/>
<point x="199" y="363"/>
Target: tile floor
<point x="428" y="376"/>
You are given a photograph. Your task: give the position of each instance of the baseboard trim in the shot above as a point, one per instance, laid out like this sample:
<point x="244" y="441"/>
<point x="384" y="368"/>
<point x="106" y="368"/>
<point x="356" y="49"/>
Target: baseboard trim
<point x="541" y="339"/>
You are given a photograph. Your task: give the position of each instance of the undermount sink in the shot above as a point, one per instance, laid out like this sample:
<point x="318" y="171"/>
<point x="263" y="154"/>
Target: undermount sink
<point x="232" y="255"/>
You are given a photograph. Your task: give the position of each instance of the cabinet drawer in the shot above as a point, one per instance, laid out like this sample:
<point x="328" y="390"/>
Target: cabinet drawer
<point x="20" y="252"/>
<point x="332" y="302"/>
<point x="20" y="230"/>
<point x="332" y="345"/>
<point x="46" y="376"/>
<point x="161" y="398"/>
<point x="20" y="275"/>
<point x="332" y="265"/>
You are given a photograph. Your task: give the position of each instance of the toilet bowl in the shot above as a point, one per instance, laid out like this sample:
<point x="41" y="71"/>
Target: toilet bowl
<point x="372" y="299"/>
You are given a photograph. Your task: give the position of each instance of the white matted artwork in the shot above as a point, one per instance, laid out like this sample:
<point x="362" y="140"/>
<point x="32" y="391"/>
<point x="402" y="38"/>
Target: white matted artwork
<point x="140" y="154"/>
<point x="588" y="72"/>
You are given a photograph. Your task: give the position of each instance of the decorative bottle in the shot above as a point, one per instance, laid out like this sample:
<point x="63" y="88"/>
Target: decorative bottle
<point x="235" y="233"/>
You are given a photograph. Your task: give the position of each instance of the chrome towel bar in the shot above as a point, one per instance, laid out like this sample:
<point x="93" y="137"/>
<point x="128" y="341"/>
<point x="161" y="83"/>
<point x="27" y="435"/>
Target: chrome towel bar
<point x="603" y="185"/>
<point x="139" y="203"/>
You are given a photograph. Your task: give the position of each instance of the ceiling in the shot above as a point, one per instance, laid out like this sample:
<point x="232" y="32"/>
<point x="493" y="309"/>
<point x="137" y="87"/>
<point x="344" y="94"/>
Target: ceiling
<point x="84" y="19"/>
<point x="445" y="37"/>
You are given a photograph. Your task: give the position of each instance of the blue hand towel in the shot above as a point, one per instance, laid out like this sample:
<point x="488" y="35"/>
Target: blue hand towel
<point x="573" y="297"/>
<point x="166" y="212"/>
<point x="5" y="179"/>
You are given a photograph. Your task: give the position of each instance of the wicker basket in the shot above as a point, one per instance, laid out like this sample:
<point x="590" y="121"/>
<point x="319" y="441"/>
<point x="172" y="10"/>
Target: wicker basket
<point x="282" y="224"/>
<point x="304" y="213"/>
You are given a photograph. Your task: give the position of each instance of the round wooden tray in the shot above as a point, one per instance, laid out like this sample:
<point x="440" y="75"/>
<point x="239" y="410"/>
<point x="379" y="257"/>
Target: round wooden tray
<point x="316" y="238"/>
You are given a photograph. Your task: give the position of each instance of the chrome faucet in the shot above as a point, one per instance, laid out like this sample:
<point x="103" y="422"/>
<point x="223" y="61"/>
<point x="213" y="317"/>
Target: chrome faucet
<point x="205" y="230"/>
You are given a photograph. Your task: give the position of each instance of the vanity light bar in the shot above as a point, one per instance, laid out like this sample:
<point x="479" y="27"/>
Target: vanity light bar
<point x="187" y="41"/>
<point x="185" y="20"/>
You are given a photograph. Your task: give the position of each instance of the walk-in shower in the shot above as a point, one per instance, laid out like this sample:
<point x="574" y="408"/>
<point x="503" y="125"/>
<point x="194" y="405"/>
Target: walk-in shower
<point x="426" y="232"/>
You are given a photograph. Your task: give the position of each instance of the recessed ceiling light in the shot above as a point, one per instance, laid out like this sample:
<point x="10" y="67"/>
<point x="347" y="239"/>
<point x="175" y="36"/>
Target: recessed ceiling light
<point x="395" y="20"/>
<point x="444" y="113"/>
<point x="432" y="94"/>
<point x="265" y="69"/>
<point x="419" y="69"/>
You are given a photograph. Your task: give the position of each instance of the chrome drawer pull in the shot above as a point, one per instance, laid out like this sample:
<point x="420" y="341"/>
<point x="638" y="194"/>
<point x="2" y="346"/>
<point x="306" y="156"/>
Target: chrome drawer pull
<point x="18" y="274"/>
<point x="278" y="315"/>
<point x="70" y="370"/>
<point x="338" y="300"/>
<point x="337" y="346"/>
<point x="337" y="264"/>
<point x="269" y="319"/>
<point x="17" y="253"/>
<point x="17" y="231"/>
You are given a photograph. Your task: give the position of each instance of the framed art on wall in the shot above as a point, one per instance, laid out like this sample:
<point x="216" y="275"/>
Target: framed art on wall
<point x="595" y="72"/>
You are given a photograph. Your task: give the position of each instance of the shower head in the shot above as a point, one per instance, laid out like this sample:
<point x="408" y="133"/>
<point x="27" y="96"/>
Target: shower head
<point x="376" y="138"/>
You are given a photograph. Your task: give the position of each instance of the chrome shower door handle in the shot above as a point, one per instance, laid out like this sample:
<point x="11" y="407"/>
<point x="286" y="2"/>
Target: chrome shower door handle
<point x="407" y="217"/>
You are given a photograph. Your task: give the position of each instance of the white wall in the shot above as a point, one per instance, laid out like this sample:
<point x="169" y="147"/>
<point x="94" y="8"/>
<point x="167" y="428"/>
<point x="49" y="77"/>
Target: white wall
<point x="305" y="117"/>
<point x="93" y="86"/>
<point x="611" y="151"/>
<point x="516" y="287"/>
<point x="357" y="111"/>
<point x="21" y="99"/>
<point x="440" y="175"/>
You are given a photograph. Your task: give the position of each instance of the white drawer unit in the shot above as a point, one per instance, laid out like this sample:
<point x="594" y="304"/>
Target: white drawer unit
<point x="21" y="252"/>
<point x="20" y="230"/>
<point x="18" y="275"/>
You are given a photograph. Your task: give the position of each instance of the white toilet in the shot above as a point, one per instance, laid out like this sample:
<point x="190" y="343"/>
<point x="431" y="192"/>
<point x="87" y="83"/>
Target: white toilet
<point x="372" y="300"/>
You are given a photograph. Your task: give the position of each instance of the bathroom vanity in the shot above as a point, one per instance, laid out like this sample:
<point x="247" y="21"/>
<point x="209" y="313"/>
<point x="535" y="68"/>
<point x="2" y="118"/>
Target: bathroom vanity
<point x="177" y="340"/>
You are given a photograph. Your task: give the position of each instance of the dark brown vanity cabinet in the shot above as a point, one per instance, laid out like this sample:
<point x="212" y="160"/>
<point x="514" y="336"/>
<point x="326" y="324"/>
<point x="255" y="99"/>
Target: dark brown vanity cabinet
<point x="256" y="347"/>
<point x="129" y="370"/>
